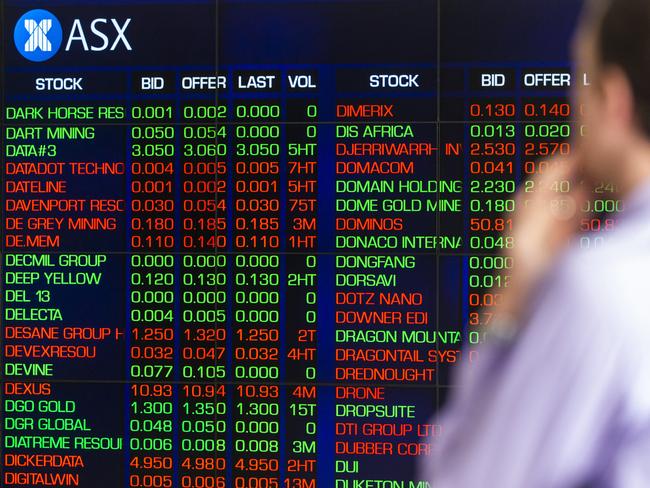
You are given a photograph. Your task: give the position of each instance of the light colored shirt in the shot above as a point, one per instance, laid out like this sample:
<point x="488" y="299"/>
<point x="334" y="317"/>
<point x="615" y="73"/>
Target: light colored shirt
<point x="566" y="404"/>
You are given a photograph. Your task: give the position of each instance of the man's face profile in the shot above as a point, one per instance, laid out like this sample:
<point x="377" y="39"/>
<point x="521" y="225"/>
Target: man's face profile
<point x="604" y="108"/>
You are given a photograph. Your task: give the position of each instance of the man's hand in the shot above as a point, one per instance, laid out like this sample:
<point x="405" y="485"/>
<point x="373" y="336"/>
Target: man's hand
<point x="547" y="215"/>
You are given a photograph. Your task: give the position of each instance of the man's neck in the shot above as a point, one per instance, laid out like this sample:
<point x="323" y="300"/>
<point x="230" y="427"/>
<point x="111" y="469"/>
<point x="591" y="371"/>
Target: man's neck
<point x="635" y="172"/>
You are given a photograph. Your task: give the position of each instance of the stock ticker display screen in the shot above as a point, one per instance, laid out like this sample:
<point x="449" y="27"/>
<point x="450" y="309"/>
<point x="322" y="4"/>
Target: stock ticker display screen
<point x="245" y="244"/>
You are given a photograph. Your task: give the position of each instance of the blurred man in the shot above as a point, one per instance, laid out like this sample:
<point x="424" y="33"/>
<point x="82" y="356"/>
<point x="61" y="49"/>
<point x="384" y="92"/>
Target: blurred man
<point x="560" y="394"/>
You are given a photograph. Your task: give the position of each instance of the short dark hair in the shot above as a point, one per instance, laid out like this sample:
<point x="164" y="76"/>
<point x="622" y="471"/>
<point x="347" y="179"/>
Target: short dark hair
<point x="622" y="29"/>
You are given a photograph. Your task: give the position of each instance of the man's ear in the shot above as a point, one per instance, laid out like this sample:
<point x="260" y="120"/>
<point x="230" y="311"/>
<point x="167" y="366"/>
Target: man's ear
<point x="618" y="99"/>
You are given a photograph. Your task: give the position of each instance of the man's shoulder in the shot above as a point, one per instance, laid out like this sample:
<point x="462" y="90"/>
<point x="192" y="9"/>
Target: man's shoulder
<point x="609" y="284"/>
<point x="596" y="264"/>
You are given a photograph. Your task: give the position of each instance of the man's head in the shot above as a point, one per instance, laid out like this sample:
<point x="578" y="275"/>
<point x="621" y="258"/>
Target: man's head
<point x="612" y="45"/>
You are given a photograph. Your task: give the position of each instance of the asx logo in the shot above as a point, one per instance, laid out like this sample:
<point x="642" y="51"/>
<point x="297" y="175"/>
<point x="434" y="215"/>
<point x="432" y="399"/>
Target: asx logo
<point x="38" y="35"/>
